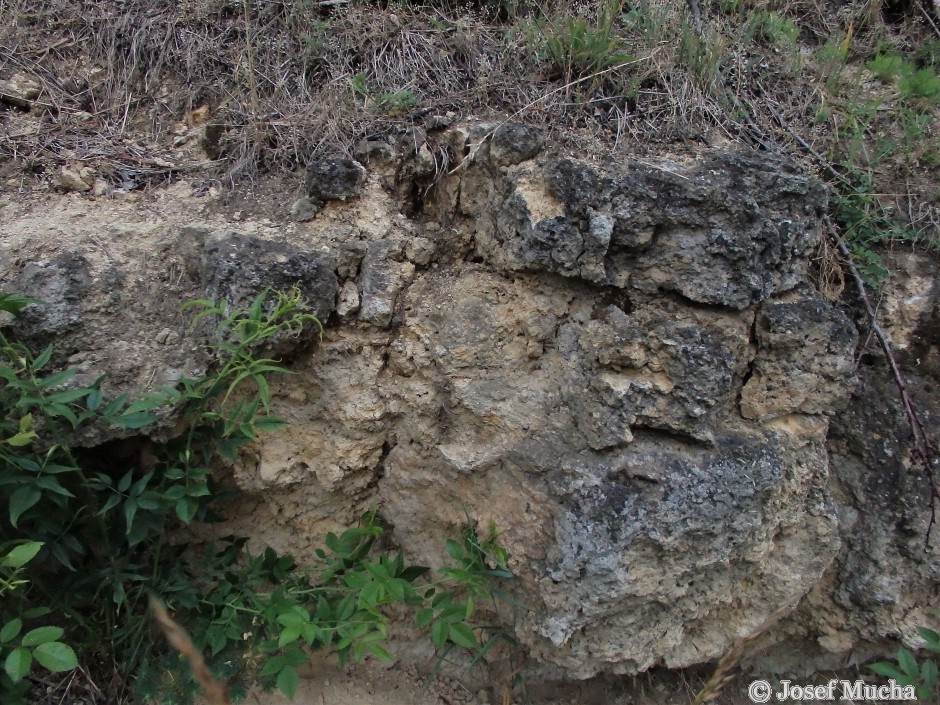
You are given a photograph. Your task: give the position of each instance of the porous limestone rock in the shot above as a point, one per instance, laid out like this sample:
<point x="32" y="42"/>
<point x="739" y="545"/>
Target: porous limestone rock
<point x="625" y="366"/>
<point x="805" y="356"/>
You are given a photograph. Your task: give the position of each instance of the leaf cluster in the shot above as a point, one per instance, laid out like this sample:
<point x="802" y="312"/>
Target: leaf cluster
<point x="41" y="645"/>
<point x="101" y="520"/>
<point x="261" y="615"/>
<point x="909" y="671"/>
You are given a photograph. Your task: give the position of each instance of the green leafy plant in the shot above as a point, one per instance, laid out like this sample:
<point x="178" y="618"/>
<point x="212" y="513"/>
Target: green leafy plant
<point x="480" y="563"/>
<point x="390" y="103"/>
<point x="928" y="53"/>
<point x="909" y="671"/>
<point x="923" y="83"/>
<point x="775" y="28"/>
<point x="316" y="40"/>
<point x="866" y="225"/>
<point x="360" y="86"/>
<point x="258" y="616"/>
<point x="887" y="67"/>
<point x="395" y="103"/>
<point x="102" y="526"/>
<point x="19" y="650"/>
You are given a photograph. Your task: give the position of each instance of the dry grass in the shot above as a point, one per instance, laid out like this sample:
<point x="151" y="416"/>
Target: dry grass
<point x="285" y="81"/>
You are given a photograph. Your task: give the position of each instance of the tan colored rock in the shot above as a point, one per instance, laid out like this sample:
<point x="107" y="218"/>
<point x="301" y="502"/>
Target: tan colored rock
<point x="71" y="179"/>
<point x="19" y="90"/>
<point x="548" y="356"/>
<point x="348" y="300"/>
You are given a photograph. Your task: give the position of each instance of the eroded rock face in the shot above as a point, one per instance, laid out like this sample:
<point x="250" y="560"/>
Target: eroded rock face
<point x="731" y="229"/>
<point x="806" y="355"/>
<point x="625" y="367"/>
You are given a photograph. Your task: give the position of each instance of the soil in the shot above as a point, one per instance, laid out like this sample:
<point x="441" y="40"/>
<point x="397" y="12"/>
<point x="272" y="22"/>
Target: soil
<point x="366" y="685"/>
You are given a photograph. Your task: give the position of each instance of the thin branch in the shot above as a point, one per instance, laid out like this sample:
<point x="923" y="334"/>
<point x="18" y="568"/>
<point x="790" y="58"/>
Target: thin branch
<point x="924" y="453"/>
<point x="929" y="19"/>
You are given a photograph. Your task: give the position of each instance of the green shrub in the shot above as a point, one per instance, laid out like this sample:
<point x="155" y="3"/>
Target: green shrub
<point x="920" y="84"/>
<point x="867" y="225"/>
<point x="103" y="525"/>
<point x="257" y="616"/>
<point x="775" y="28"/>
<point x="928" y="53"/>
<point x="316" y="40"/>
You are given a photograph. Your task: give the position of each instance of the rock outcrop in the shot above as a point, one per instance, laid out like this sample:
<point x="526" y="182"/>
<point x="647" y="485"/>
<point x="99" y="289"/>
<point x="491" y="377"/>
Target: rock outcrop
<point x="626" y="367"/>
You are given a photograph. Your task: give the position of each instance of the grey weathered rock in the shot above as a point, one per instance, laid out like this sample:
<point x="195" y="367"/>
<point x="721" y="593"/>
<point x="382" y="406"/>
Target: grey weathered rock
<point x="381" y="281"/>
<point x="731" y="230"/>
<point x="305" y="209"/>
<point x="420" y="250"/>
<point x="236" y="268"/>
<point x="378" y="153"/>
<point x="100" y="188"/>
<point x="60" y="283"/>
<point x="883" y="584"/>
<point x="514" y="143"/>
<point x="804" y="362"/>
<point x="335" y="179"/>
<point x="625" y="367"/>
<point x="653" y="372"/>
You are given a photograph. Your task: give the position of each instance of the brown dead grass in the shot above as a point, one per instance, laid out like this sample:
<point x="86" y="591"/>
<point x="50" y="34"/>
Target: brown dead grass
<point x="119" y="77"/>
<point x="277" y="75"/>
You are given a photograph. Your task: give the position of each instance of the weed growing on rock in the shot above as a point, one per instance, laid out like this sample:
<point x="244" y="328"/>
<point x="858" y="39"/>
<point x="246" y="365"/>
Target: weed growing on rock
<point x="101" y="523"/>
<point x="258" y="616"/>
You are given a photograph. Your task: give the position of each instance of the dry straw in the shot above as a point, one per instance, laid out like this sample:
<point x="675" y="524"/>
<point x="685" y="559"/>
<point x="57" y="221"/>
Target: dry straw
<point x="213" y="691"/>
<point x="723" y="672"/>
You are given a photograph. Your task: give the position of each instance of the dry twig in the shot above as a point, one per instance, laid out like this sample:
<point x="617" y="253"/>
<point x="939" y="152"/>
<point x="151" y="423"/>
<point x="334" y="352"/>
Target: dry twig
<point x="924" y="452"/>
<point x="214" y="691"/>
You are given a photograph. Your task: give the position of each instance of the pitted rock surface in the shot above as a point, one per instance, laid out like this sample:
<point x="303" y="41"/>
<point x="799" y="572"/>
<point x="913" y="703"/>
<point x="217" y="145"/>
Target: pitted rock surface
<point x="625" y="366"/>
